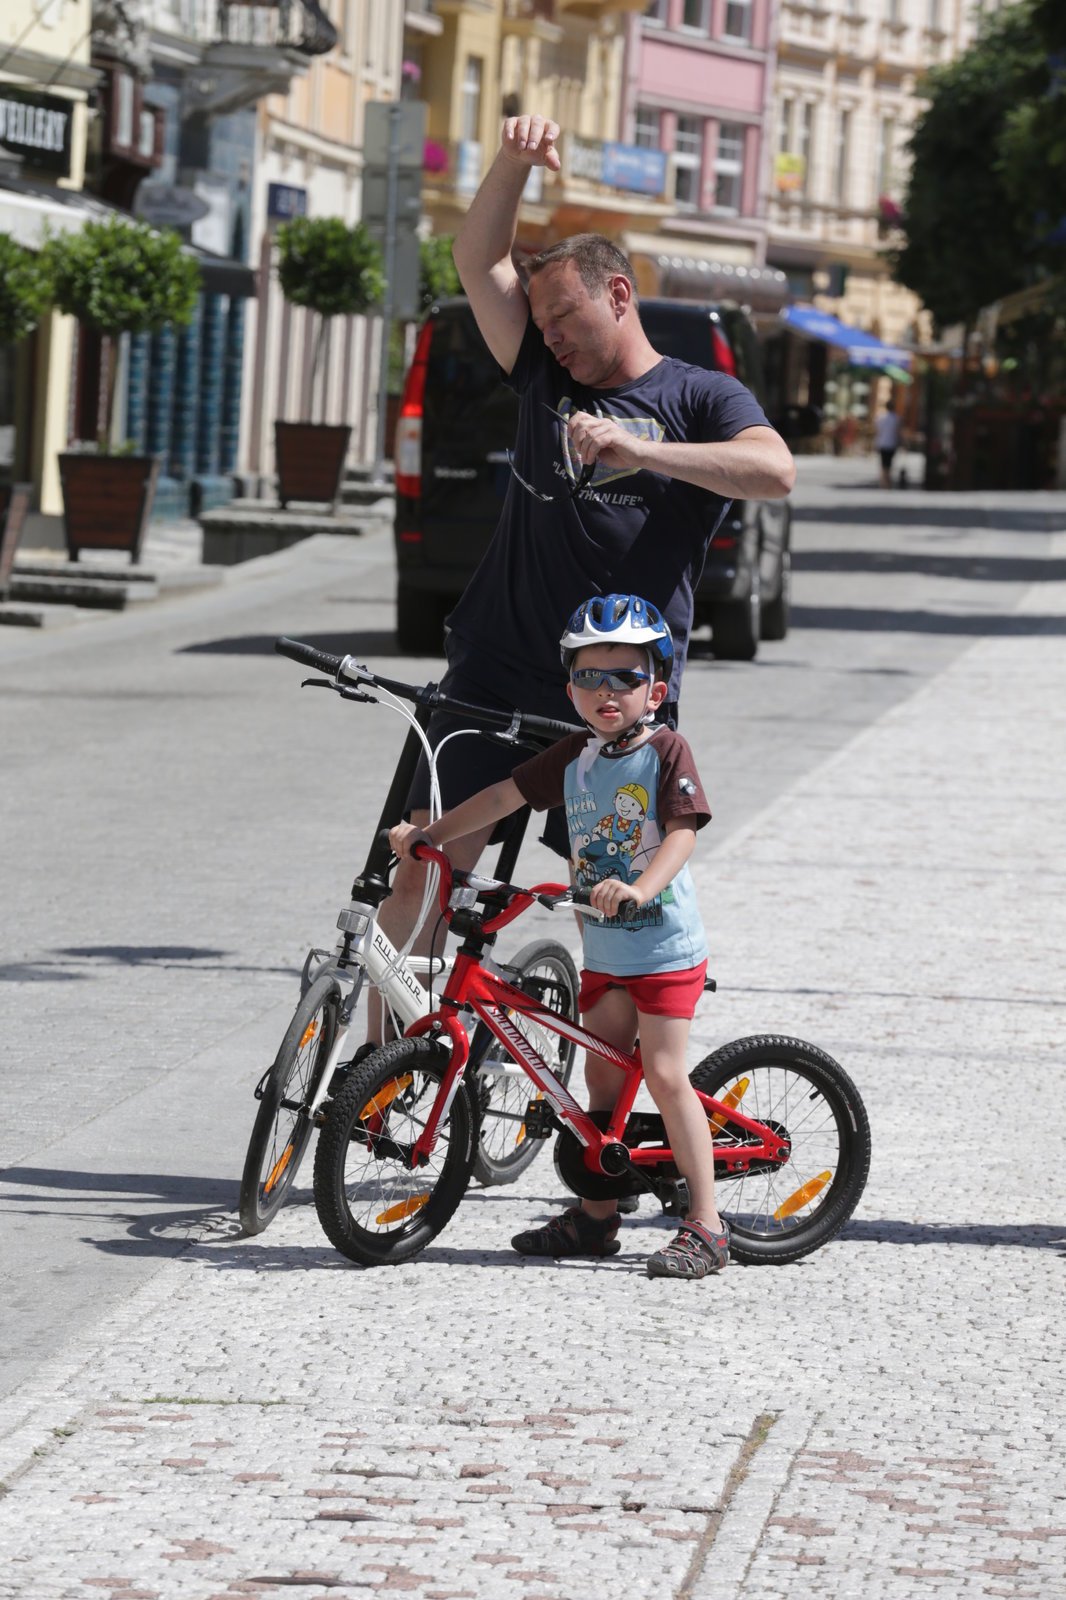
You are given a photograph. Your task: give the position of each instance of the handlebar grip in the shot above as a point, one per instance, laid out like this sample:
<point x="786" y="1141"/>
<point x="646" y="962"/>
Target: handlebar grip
<point x="547" y="727"/>
<point x="629" y="911"/>
<point x="308" y="656"/>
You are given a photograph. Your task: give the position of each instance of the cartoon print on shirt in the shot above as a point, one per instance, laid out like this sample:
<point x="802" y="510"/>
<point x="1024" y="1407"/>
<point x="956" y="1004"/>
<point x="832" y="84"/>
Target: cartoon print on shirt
<point x="611" y="848"/>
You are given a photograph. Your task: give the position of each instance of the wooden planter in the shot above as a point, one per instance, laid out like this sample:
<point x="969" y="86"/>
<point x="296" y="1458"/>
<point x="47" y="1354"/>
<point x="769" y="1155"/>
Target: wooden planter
<point x="310" y="459"/>
<point x="14" y="503"/>
<point x="107" y="501"/>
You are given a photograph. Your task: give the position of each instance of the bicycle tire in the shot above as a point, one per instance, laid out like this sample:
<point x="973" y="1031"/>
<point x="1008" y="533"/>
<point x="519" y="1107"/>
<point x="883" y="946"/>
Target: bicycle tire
<point x="781" y="1214"/>
<point x="283" y="1128"/>
<point x="374" y="1208"/>
<point x="545" y="968"/>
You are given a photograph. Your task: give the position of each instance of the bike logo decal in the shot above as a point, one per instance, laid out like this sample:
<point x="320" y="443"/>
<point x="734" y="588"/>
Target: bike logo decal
<point x="570" y="1030"/>
<point x="502" y="1025"/>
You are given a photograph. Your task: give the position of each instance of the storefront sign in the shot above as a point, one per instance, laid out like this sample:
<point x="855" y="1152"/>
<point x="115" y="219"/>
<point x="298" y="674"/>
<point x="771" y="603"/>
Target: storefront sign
<point x="285" y="200"/>
<point x="36" y="128"/>
<point x="167" y="205"/>
<point x="620" y="166"/>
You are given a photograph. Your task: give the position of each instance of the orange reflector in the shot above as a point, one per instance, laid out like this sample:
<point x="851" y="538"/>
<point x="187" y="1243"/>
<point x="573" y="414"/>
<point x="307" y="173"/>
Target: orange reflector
<point x="732" y="1099"/>
<point x="405" y="1208"/>
<point x="522" y="1129"/>
<point x="309" y="1033"/>
<point x="805" y="1193"/>
<point x="286" y="1157"/>
<point x="384" y="1098"/>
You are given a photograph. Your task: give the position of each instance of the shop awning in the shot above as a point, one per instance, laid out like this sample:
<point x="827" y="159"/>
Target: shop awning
<point x="861" y="349"/>
<point x="30" y="211"/>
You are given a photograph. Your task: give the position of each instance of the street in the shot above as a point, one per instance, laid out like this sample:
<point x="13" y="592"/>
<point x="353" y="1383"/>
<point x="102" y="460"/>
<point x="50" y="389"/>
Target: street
<point x="184" y="1412"/>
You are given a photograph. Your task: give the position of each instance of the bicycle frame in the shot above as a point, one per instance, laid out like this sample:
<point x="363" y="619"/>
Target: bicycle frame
<point x="473" y="986"/>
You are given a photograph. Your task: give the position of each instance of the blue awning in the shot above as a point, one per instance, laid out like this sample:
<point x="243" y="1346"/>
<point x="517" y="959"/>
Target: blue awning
<point x="861" y="349"/>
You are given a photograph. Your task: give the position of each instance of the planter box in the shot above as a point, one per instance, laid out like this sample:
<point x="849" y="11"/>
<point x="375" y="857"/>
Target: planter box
<point x="14" y="503"/>
<point x="310" y="459"/>
<point x="107" y="501"/>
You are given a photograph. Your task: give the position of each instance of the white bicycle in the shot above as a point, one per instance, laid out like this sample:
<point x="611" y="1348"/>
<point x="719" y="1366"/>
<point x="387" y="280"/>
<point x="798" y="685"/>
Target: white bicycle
<point x="295" y="1092"/>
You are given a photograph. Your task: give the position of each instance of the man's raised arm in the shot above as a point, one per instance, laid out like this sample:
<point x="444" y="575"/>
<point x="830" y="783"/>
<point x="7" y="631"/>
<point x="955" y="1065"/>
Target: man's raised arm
<point x="483" y="244"/>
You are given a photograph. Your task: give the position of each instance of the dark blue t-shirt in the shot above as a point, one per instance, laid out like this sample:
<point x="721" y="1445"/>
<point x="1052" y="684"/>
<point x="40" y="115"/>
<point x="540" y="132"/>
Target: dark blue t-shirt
<point x="630" y="532"/>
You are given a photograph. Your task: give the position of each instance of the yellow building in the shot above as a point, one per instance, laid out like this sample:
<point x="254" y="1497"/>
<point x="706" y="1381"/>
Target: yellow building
<point x="45" y="78"/>
<point x="310" y="161"/>
<point x="499" y="58"/>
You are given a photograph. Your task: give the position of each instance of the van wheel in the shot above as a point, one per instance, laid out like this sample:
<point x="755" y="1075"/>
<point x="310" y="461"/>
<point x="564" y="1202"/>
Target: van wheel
<point x="735" y="627"/>
<point x="419" y="622"/>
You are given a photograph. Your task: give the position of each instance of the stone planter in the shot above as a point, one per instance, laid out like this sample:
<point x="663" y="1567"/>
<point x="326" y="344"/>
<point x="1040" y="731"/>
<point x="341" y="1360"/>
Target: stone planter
<point x="107" y="501"/>
<point x="310" y="459"/>
<point x="14" y="503"/>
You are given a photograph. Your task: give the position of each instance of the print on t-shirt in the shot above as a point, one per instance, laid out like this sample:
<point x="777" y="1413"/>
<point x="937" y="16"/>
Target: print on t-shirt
<point x="617" y="845"/>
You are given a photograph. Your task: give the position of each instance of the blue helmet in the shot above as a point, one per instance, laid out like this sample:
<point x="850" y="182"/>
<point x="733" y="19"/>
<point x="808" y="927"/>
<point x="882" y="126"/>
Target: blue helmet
<point x="619" y="619"/>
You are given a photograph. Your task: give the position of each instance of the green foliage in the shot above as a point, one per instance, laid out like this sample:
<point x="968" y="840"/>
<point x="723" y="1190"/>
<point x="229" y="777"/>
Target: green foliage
<point x="123" y="277"/>
<point x="970" y="235"/>
<point x="25" y="290"/>
<point x="437" y="277"/>
<point x="1033" y="148"/>
<point x="328" y="267"/>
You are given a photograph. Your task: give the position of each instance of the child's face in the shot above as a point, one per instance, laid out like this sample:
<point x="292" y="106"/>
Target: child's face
<point x="612" y="711"/>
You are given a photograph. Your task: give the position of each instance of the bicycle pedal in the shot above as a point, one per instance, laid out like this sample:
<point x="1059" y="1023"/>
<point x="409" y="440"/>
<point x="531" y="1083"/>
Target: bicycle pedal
<point x="540" y="1120"/>
<point x="674" y="1199"/>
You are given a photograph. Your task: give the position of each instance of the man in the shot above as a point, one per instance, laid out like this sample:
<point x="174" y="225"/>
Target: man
<point x="624" y="465"/>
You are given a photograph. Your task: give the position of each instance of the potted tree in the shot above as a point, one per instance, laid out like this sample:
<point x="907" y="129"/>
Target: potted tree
<point x="24" y="297"/>
<point x="333" y="271"/>
<point x="116" y="277"/>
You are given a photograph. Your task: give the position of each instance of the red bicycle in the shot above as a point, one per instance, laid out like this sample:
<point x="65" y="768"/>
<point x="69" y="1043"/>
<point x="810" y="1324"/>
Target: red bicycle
<point x="791" y="1135"/>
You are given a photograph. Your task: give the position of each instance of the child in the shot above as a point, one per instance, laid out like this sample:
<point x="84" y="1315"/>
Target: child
<point x="644" y="972"/>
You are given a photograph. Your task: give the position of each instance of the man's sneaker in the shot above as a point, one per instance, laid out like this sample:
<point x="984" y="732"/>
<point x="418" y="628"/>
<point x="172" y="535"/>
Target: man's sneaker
<point x="694" y="1252"/>
<point x="572" y="1233"/>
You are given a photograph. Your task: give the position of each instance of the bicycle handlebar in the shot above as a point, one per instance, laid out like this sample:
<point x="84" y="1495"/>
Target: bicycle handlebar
<point x="517" y="723"/>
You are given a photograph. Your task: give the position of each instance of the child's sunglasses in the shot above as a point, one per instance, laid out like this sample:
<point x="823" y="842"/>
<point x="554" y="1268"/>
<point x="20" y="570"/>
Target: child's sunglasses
<point x="594" y="677"/>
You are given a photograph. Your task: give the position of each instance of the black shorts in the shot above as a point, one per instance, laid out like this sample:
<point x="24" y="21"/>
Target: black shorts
<point x="886" y="458"/>
<point x="471" y="762"/>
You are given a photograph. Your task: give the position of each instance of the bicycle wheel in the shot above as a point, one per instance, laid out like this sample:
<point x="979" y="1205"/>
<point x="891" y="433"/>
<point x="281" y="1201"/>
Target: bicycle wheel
<point x="374" y="1208"/>
<point x="543" y="969"/>
<point x="282" y="1127"/>
<point x="779" y="1214"/>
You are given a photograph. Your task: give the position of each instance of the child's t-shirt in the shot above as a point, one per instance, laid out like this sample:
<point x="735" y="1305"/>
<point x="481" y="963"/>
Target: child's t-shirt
<point x="617" y="815"/>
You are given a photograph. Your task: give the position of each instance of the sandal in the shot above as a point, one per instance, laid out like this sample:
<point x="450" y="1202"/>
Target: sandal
<point x="572" y="1233"/>
<point x="694" y="1252"/>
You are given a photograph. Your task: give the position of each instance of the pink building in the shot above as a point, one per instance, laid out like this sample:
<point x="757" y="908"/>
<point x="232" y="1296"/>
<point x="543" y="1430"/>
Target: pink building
<point x="698" y="86"/>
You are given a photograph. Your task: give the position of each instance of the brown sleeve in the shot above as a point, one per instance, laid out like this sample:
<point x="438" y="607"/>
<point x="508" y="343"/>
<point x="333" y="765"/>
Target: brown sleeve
<point x="540" y="779"/>
<point x="680" y="790"/>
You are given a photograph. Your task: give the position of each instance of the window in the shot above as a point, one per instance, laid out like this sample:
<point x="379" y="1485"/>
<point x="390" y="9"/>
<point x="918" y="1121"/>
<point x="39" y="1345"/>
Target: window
<point x="738" y="20"/>
<point x="892" y="12"/>
<point x="696" y="15"/>
<point x="806" y="144"/>
<point x="886" y="146"/>
<point x="842" y="157"/>
<point x="784" y="127"/>
<point x="932" y="16"/>
<point x="729" y="167"/>
<point x="647" y="131"/>
<point x="470" y="119"/>
<point x="656" y="13"/>
<point x="688" y="158"/>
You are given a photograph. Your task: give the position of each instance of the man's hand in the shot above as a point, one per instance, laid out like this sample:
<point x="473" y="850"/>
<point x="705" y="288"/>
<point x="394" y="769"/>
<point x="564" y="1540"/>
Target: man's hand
<point x="603" y="439"/>
<point x="608" y="895"/>
<point x="404" y="836"/>
<point x="530" y="142"/>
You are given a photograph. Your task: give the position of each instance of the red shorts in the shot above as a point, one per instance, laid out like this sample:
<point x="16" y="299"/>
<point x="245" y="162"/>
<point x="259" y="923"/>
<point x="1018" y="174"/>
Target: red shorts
<point x="657" y="994"/>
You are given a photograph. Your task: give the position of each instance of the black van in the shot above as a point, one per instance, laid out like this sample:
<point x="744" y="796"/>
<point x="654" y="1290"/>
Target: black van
<point x="457" y="420"/>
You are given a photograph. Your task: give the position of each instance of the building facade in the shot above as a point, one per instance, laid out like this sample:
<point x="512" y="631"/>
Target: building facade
<point x="45" y="81"/>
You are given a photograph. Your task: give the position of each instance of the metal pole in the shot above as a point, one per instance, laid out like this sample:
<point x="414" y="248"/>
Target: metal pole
<point x="378" y="473"/>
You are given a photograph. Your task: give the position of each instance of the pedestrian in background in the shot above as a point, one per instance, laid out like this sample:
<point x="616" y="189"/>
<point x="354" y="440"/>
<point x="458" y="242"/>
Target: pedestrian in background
<point x="886" y="441"/>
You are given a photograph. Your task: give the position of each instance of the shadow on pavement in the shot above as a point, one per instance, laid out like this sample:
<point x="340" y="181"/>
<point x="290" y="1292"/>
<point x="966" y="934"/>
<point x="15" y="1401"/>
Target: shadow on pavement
<point x="899" y="507"/>
<point x="376" y="643"/>
<point x="1027" y="1236"/>
<point x="988" y="569"/>
<point x="864" y="619"/>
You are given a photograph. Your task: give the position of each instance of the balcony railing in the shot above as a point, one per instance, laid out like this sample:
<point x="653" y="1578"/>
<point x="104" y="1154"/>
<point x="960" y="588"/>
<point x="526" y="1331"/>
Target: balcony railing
<point x="299" y="25"/>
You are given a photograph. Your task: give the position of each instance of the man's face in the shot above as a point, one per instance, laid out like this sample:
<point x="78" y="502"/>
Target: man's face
<point x="581" y="331"/>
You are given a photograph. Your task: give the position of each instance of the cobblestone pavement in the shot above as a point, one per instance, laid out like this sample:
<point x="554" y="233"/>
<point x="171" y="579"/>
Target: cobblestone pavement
<point x="884" y="1419"/>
